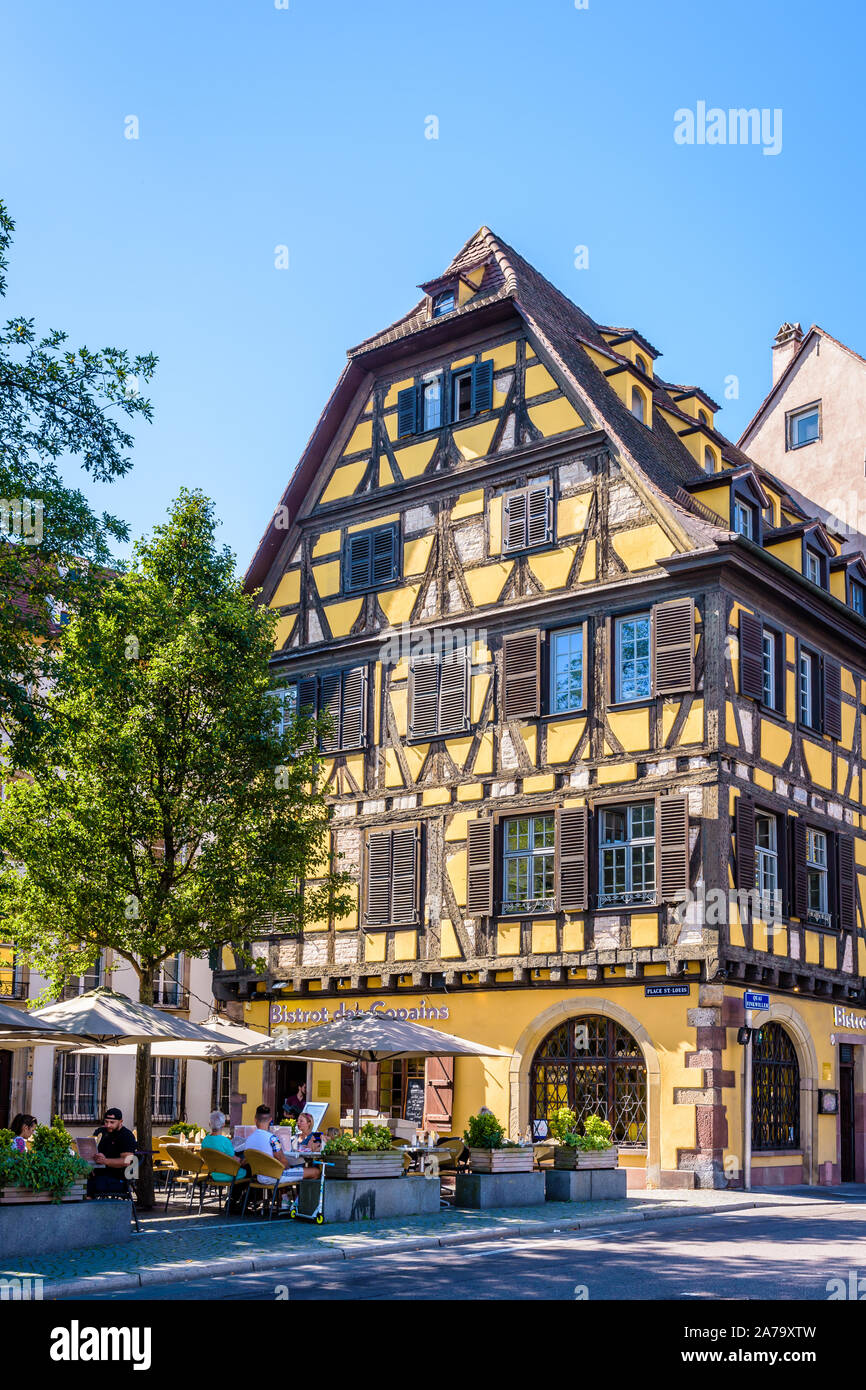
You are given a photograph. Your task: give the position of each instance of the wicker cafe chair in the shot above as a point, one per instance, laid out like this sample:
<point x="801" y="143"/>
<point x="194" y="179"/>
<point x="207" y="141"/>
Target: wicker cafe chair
<point x="450" y="1154"/>
<point x="215" y="1162"/>
<point x="276" y="1179"/>
<point x="185" y="1172"/>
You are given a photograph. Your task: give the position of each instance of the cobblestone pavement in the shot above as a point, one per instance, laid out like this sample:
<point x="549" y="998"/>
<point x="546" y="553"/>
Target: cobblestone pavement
<point x="179" y="1247"/>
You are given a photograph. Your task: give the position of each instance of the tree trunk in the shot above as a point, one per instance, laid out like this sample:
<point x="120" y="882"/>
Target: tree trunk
<point x="144" y="1104"/>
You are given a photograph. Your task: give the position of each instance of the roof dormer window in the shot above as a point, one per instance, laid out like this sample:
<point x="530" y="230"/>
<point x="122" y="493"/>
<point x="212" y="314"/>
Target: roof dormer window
<point x="638" y="405"/>
<point x="640" y="363"/>
<point x="444" y="302"/>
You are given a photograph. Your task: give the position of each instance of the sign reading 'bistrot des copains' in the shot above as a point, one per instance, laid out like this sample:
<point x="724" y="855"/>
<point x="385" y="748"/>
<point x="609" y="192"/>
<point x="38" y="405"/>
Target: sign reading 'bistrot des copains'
<point x="843" y="1018"/>
<point x="423" y="1012"/>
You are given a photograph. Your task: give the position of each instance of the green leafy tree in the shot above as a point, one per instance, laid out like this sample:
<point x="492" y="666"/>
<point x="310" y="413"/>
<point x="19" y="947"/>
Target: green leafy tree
<point x="55" y="402"/>
<point x="163" y="810"/>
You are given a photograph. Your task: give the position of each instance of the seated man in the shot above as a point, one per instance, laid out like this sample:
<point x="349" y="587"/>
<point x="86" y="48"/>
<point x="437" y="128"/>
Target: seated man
<point x="114" y="1152"/>
<point x="262" y="1141"/>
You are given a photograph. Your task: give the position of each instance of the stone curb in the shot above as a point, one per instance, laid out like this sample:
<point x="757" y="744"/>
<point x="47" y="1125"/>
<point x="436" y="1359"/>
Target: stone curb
<point x="176" y="1274"/>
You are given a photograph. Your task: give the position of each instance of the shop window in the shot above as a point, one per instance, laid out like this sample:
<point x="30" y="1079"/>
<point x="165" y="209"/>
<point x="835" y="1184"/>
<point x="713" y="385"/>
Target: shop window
<point x="394" y="1075"/>
<point x="528" y="846"/>
<point x="627" y="855"/>
<point x="775" y="1090"/>
<point x="595" y="1067"/>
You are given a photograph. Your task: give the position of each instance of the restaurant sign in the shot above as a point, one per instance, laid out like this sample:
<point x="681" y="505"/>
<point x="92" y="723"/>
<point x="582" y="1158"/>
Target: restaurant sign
<point x="843" y="1018"/>
<point x="282" y="1014"/>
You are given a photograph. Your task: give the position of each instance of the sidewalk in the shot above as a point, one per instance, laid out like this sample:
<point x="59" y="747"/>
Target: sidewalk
<point x="174" y="1248"/>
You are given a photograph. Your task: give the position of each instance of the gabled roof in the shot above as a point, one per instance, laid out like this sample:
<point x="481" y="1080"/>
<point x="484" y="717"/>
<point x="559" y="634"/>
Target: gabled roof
<point x="561" y="331"/>
<point x="779" y="386"/>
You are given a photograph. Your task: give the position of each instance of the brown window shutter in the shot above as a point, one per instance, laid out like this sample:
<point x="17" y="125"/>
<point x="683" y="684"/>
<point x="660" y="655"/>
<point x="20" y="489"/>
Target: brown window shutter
<point x="424" y="697"/>
<point x="538" y="527"/>
<point x="847" y="883"/>
<point x="479" y="868"/>
<point x="307" y="690"/>
<point x="745" y="823"/>
<point x="378" y="907"/>
<point x="514" y="521"/>
<point x="439" y="1097"/>
<point x="673" y="647"/>
<point x="454" y="693"/>
<point x="751" y="656"/>
<point x="332" y="704"/>
<point x="573" y="852"/>
<point x="673" y="847"/>
<point x="801" y="882"/>
<point x="354" y="731"/>
<point x="832" y="698"/>
<point x="521" y="675"/>
<point x="404" y="875"/>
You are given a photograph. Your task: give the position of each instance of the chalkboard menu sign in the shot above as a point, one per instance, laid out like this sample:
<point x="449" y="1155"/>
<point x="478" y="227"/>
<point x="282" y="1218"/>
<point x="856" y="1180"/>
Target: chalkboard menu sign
<point x="414" y="1108"/>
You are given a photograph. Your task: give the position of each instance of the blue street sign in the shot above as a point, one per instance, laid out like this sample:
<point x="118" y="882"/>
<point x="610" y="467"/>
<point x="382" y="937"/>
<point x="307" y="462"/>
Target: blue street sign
<point x="752" y="1000"/>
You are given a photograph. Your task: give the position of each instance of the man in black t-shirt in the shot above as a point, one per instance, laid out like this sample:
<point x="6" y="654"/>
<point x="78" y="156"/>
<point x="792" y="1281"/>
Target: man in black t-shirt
<point x="114" y="1151"/>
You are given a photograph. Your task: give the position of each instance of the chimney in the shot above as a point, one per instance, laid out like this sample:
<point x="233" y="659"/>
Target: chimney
<point x="786" y="345"/>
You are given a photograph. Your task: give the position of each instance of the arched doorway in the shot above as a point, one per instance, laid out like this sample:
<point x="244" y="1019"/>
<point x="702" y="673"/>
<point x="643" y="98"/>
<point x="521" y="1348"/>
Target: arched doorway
<point x="592" y="1064"/>
<point x="775" y="1090"/>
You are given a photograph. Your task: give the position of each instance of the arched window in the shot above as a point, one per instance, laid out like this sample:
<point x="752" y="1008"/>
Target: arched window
<point x="709" y="459"/>
<point x="640" y="363"/>
<point x="703" y="417"/>
<point x="594" y="1066"/>
<point x="775" y="1090"/>
<point x="637" y="404"/>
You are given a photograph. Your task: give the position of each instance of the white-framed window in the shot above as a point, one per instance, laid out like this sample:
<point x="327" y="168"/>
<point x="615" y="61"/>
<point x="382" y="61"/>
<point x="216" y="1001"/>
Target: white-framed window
<point x="168" y="986"/>
<point x="770" y="643"/>
<point x="816" y="877"/>
<point x="813" y="566"/>
<point x="627" y="855"/>
<point x="808" y="697"/>
<point x="79" y="1087"/>
<point x="461" y="396"/>
<point x="858" y="597"/>
<point x="633" y="675"/>
<point x="804" y="426"/>
<point x="744" y="519"/>
<point x="767" y="860"/>
<point x="638" y="407"/>
<point x="286" y="699"/>
<point x="164" y="1077"/>
<point x="566" y="670"/>
<point x="528" y="855"/>
<point x="431" y="402"/>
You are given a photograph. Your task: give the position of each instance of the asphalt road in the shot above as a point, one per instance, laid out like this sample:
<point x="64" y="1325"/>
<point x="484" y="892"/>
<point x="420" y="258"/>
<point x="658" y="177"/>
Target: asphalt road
<point x="767" y="1253"/>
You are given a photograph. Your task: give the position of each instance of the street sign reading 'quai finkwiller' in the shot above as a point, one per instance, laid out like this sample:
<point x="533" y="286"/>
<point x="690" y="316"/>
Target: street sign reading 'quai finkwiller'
<point x="751" y="1000"/>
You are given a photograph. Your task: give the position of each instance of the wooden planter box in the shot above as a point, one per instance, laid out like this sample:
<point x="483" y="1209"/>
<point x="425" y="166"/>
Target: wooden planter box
<point x="387" y="1163"/>
<point x="572" y="1159"/>
<point x="501" y="1160"/>
<point x="14" y="1196"/>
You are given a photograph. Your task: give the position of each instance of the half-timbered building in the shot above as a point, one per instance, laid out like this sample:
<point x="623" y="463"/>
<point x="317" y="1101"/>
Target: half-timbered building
<point x="597" y="698"/>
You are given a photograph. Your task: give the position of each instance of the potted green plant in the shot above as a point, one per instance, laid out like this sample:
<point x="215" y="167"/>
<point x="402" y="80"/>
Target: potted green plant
<point x="370" y="1155"/>
<point x="181" y="1129"/>
<point x="594" y="1148"/>
<point x="490" y="1151"/>
<point x="49" y="1171"/>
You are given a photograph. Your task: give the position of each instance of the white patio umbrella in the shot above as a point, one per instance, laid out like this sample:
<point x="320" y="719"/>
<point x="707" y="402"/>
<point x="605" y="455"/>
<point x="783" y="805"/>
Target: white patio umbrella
<point x="18" y="1028"/>
<point x="226" y="1038"/>
<point x="103" y="1016"/>
<point x="366" y="1038"/>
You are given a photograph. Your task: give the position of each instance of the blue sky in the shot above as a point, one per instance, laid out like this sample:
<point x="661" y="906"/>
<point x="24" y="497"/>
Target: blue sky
<point x="305" y="127"/>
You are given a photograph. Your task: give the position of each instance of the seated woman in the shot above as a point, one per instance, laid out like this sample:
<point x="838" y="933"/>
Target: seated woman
<point x="306" y="1140"/>
<point x="22" y="1128"/>
<point x="218" y="1139"/>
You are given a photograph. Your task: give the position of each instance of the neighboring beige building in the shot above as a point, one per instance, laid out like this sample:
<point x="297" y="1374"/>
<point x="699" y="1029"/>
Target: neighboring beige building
<point x="810" y="430"/>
